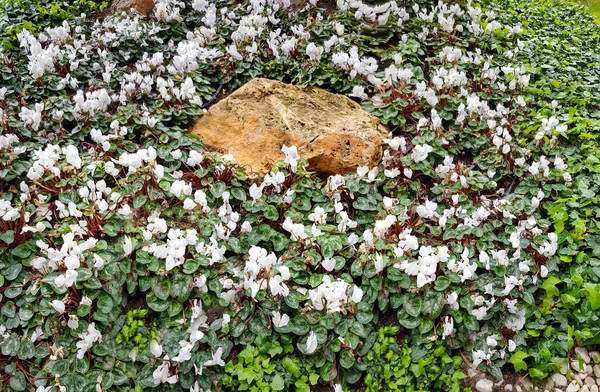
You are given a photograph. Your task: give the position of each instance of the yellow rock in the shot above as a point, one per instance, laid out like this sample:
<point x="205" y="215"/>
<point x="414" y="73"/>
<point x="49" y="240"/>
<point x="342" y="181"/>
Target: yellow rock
<point x="330" y="130"/>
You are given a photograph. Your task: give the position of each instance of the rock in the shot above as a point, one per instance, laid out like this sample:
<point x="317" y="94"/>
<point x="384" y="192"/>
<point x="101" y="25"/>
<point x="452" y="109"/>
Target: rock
<point x="576" y="366"/>
<point x="594" y="388"/>
<point x="589" y="382"/>
<point x="583" y="354"/>
<point x="595" y="355"/>
<point x="573" y="387"/>
<point x="484" y="385"/>
<point x="559" y="380"/>
<point x="584" y="388"/>
<point x="330" y="130"/>
<point x="549" y="385"/>
<point x="596" y="370"/>
<point x="508" y="387"/>
<point x="589" y="369"/>
<point x="297" y="5"/>
<point x="526" y="384"/>
<point x="144" y="7"/>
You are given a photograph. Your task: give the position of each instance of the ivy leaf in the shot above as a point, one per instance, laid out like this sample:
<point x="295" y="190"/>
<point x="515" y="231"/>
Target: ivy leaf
<point x="593" y="296"/>
<point x="277" y="384"/>
<point x="550" y="286"/>
<point x="517" y="359"/>
<point x="291" y="367"/>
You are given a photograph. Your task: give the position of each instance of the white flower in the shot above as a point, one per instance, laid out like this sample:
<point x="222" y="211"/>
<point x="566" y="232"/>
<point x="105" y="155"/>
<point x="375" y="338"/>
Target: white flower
<point x="448" y="327"/>
<point x="280" y="320"/>
<point x="58" y="306"/>
<point x="295" y="229"/>
<point x="88" y="339"/>
<point x="66" y="280"/>
<point x="246" y="227"/>
<point x="161" y="374"/>
<point x="378" y="262"/>
<point x="216" y="359"/>
<point x="127" y="246"/>
<point x="357" y="294"/>
<point x="72" y="156"/>
<point x="359" y="92"/>
<point x="328" y="264"/>
<point x="73" y="322"/>
<point x="155" y="348"/>
<point x="314" y="52"/>
<point x="311" y="343"/>
<point x="420" y="152"/>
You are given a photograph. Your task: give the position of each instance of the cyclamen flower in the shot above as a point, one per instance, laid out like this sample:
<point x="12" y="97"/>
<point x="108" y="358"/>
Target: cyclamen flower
<point x="161" y="373"/>
<point x="295" y="229"/>
<point x="420" y="152"/>
<point x="89" y="337"/>
<point x="448" y="327"/>
<point x="311" y="343"/>
<point x="328" y="264"/>
<point x="72" y="156"/>
<point x="59" y="306"/>
<point x="216" y="358"/>
<point x="280" y="320"/>
<point x="66" y="280"/>
<point x="314" y="52"/>
<point x="359" y="92"/>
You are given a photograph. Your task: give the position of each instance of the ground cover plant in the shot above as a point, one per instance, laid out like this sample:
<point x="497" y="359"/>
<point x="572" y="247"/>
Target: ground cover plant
<point x="131" y="258"/>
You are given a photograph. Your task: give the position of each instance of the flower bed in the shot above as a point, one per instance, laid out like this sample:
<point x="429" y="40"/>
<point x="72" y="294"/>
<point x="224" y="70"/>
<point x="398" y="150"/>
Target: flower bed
<point x="131" y="258"/>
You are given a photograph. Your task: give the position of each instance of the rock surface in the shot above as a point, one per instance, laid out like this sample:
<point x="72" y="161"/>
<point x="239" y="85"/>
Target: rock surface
<point x="330" y="130"/>
<point x="144" y="7"/>
<point x="485" y="385"/>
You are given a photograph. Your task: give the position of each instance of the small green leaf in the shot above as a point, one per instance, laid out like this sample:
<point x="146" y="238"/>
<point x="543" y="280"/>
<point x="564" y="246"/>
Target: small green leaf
<point x="271" y="213"/>
<point x="277" y="384"/>
<point x="550" y="286"/>
<point x="17" y="381"/>
<point x="517" y="359"/>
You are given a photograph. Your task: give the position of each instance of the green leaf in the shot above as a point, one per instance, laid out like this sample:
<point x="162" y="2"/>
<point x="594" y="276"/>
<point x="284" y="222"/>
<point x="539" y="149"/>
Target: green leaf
<point x="238" y="193"/>
<point x="139" y="200"/>
<point x="330" y="244"/>
<point x="7" y="237"/>
<point x="10" y="346"/>
<point x="271" y="213"/>
<point x="21" y="251"/>
<point x="217" y="189"/>
<point x="412" y="305"/>
<point x="26" y="350"/>
<point x="593" y="296"/>
<point x="346" y="359"/>
<point x="17" y="381"/>
<point x="517" y="359"/>
<point x="550" y="286"/>
<point x="291" y="367"/>
<point x="277" y="384"/>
